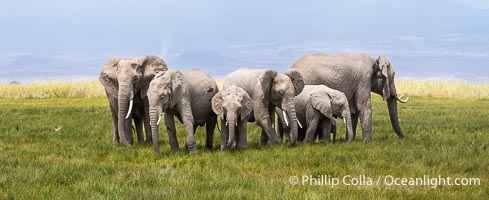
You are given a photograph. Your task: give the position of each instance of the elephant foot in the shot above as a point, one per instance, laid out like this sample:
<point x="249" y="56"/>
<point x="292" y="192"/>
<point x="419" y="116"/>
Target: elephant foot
<point x="291" y="144"/>
<point x="225" y="147"/>
<point x="366" y="139"/>
<point x="126" y="143"/>
<point x="241" y="148"/>
<point x="191" y="147"/>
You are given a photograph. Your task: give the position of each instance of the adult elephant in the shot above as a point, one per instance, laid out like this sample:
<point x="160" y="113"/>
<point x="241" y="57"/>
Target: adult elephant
<point x="186" y="96"/>
<point x="356" y="75"/>
<point x="269" y="89"/>
<point x="126" y="83"/>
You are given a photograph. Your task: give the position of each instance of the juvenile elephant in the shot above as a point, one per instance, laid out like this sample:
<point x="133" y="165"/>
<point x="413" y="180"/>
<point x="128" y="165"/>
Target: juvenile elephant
<point x="188" y="97"/>
<point x="319" y="105"/>
<point x="126" y="82"/>
<point x="356" y="75"/>
<point x="234" y="107"/>
<point x="268" y="90"/>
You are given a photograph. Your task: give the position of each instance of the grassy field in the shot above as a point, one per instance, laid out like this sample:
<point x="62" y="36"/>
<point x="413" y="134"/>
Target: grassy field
<point x="61" y="148"/>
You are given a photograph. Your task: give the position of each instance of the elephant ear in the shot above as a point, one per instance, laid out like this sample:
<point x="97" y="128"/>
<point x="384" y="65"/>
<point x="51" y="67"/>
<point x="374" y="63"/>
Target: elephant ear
<point x="217" y="104"/>
<point x="265" y="81"/>
<point x="296" y="79"/>
<point x="385" y="68"/>
<point x="246" y="106"/>
<point x="178" y="87"/>
<point x="108" y="77"/>
<point x="322" y="102"/>
<point x="150" y="66"/>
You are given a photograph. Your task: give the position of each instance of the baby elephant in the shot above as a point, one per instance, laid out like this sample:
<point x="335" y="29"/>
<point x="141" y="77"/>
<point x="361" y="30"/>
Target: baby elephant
<point x="188" y="97"/>
<point x="234" y="107"/>
<point x="320" y="105"/>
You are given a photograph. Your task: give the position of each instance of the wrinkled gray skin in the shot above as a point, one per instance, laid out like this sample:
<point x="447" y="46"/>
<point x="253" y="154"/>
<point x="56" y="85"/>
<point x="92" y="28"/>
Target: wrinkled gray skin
<point x="356" y="75"/>
<point x="187" y="96"/>
<point x="268" y="90"/>
<point x="127" y="80"/>
<point x="233" y="105"/>
<point x="317" y="106"/>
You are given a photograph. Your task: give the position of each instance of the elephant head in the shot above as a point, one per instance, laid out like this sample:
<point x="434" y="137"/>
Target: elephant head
<point x="123" y="78"/>
<point x="232" y="104"/>
<point x="383" y="84"/>
<point x="284" y="87"/>
<point x="333" y="105"/>
<point x="165" y="91"/>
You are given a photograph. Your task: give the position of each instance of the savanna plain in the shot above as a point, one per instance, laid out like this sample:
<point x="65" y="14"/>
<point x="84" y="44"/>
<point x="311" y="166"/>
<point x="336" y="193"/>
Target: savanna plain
<point x="56" y="143"/>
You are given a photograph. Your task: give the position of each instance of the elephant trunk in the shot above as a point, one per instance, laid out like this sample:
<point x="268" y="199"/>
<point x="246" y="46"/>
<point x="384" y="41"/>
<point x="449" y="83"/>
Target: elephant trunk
<point x="153" y="117"/>
<point x="392" y="105"/>
<point x="231" y="121"/>
<point x="124" y="96"/>
<point x="289" y="107"/>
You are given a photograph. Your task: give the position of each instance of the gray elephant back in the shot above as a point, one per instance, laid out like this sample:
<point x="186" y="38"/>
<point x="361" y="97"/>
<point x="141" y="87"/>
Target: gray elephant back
<point x="202" y="88"/>
<point x="244" y="78"/>
<point x="341" y="72"/>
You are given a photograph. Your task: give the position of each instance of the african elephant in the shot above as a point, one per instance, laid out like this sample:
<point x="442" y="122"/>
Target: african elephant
<point x="234" y="107"/>
<point x="320" y="105"/>
<point x="187" y="96"/>
<point x="356" y="75"/>
<point x="268" y="90"/>
<point x="126" y="82"/>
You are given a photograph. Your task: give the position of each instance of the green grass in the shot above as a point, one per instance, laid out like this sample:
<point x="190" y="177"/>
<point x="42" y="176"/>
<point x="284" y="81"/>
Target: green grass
<point x="446" y="137"/>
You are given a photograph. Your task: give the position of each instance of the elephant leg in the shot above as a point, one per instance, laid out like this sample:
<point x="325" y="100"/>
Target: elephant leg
<point x="189" y="131"/>
<point x="263" y="137"/>
<point x="138" y="123"/>
<point x="210" y="125"/>
<point x="354" y="122"/>
<point x="311" y="129"/>
<point x="264" y="120"/>
<point x="171" y="131"/>
<point x="113" y="109"/>
<point x="333" y="130"/>
<point x="146" y="119"/>
<point x="224" y="136"/>
<point x="242" y="136"/>
<point x="325" y="130"/>
<point x="365" y="114"/>
<point x="115" y="137"/>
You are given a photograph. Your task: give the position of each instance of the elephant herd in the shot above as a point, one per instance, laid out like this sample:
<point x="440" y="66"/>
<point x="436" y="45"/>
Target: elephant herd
<point x="307" y="99"/>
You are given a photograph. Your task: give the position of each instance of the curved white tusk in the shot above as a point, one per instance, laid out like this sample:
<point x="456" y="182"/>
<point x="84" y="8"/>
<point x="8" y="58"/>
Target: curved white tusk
<point x="285" y="118"/>
<point x="226" y="123"/>
<point x="130" y="109"/>
<point x="158" y="122"/>
<point x="344" y="120"/>
<point x="300" y="125"/>
<point x="236" y="123"/>
<point x="401" y="100"/>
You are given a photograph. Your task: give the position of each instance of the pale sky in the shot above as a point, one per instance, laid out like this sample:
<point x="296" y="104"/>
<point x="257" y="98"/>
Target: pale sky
<point x="56" y="39"/>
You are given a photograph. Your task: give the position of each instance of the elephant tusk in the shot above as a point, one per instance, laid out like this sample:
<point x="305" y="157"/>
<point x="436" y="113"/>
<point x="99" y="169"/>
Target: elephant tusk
<point x="158" y="122"/>
<point x="236" y="123"/>
<point x="344" y="120"/>
<point x="226" y="123"/>
<point x="130" y="109"/>
<point x="285" y="118"/>
<point x="299" y="123"/>
<point x="402" y="100"/>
